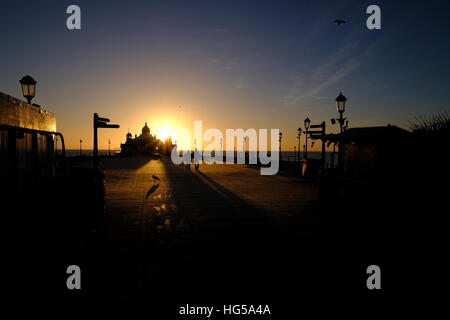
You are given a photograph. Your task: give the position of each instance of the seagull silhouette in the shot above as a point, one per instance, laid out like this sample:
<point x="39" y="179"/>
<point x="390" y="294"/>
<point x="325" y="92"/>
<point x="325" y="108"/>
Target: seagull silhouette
<point x="155" y="178"/>
<point x="151" y="190"/>
<point x="339" y="22"/>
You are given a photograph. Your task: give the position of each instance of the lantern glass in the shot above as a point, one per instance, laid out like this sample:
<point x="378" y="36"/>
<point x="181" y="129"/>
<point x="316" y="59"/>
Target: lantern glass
<point x="307" y="123"/>
<point x="340" y="103"/>
<point x="31" y="89"/>
<point x="25" y="90"/>
<point x="28" y="87"/>
<point x="340" y="106"/>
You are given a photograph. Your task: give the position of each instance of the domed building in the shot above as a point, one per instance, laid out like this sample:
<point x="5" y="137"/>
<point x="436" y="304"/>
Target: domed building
<point x="143" y="144"/>
<point x="129" y="136"/>
<point x="145" y="130"/>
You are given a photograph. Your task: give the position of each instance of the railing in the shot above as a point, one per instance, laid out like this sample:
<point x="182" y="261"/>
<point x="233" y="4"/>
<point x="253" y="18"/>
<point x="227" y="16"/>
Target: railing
<point x="41" y="132"/>
<point x="289" y="160"/>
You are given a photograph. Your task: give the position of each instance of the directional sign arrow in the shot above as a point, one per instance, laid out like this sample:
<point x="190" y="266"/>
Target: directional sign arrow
<point x="314" y="131"/>
<point x="104" y="125"/>
<point x="101" y="119"/>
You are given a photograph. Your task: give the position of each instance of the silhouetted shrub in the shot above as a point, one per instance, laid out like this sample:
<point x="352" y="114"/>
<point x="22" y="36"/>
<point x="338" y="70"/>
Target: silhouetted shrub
<point x="435" y="125"/>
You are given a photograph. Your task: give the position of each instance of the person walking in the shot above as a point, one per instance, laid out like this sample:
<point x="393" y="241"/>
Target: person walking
<point x="197" y="156"/>
<point x="188" y="164"/>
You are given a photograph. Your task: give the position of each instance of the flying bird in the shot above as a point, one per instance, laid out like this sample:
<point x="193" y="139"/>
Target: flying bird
<point x="155" y="178"/>
<point x="339" y="22"/>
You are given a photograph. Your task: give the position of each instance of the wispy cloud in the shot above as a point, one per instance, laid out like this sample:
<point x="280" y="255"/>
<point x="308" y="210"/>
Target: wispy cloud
<point x="308" y="87"/>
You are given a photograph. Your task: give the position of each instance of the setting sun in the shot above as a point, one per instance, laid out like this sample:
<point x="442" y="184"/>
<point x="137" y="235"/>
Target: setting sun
<point x="164" y="133"/>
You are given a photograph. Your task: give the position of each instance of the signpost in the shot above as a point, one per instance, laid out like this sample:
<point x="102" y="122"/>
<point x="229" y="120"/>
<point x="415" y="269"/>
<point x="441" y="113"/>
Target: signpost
<point x="100" y="123"/>
<point x="319" y="134"/>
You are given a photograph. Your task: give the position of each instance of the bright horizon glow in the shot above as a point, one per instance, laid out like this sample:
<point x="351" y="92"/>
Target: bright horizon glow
<point x="178" y="63"/>
<point x="164" y="133"/>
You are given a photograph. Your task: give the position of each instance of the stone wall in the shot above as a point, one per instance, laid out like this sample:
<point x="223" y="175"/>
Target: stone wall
<point x="27" y="159"/>
<point x="14" y="112"/>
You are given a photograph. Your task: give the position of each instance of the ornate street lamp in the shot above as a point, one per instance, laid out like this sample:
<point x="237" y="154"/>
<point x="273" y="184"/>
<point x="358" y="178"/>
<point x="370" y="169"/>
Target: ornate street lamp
<point x="340" y="106"/>
<point x="28" y="87"/>
<point x="279" y="140"/>
<point x="299" y="130"/>
<point x="340" y="103"/>
<point x="307" y="124"/>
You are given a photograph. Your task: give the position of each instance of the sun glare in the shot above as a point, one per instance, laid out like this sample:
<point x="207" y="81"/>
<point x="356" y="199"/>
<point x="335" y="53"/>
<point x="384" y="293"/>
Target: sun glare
<point x="164" y="133"/>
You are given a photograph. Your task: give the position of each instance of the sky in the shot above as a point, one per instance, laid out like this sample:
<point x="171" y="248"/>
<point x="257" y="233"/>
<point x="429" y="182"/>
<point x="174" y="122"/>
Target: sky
<point x="231" y="64"/>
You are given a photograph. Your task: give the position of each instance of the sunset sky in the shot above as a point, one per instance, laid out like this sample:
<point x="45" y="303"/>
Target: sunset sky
<point x="231" y="64"/>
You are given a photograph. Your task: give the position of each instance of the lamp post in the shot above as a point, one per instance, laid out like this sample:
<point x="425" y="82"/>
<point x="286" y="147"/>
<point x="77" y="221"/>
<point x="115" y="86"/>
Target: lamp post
<point x="243" y="150"/>
<point x="100" y="122"/>
<point x="81" y="141"/>
<point x="295" y="154"/>
<point x="280" y="135"/>
<point x="340" y="106"/>
<point x="299" y="130"/>
<point x="320" y="134"/>
<point x="221" y="149"/>
<point x="334" y="153"/>
<point x="28" y="87"/>
<point x="109" y="147"/>
<point x="307" y="123"/>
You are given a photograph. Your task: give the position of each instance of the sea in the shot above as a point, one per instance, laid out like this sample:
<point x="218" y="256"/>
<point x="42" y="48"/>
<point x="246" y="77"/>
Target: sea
<point x="88" y="153"/>
<point x="286" y="156"/>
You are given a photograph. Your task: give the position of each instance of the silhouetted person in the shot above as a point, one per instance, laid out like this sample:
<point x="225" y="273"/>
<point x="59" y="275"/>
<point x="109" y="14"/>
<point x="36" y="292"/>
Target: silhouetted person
<point x="196" y="159"/>
<point x="188" y="163"/>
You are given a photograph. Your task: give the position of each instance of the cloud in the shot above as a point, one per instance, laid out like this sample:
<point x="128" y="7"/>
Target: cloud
<point x="308" y="87"/>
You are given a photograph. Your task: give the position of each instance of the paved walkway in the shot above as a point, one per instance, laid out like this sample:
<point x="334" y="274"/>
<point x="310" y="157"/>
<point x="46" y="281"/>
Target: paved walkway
<point x="220" y="229"/>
